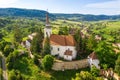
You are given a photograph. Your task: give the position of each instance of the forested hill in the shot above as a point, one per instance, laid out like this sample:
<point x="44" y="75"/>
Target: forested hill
<point x="26" y="13"/>
<point x="40" y="14"/>
<point x="87" y="17"/>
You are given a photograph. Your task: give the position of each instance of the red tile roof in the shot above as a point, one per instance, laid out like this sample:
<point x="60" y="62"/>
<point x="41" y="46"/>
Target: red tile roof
<point x="62" y="40"/>
<point x="93" y="55"/>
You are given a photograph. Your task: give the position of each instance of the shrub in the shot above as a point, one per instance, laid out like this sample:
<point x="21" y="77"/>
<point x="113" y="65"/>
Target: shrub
<point x="47" y="62"/>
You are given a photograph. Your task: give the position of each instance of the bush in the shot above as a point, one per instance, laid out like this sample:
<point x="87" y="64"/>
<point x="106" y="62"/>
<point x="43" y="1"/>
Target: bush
<point x="7" y="50"/>
<point x="15" y="75"/>
<point x="117" y="66"/>
<point x="84" y="75"/>
<point x="95" y="71"/>
<point x="1" y="77"/>
<point x="47" y="62"/>
<point x="36" y="61"/>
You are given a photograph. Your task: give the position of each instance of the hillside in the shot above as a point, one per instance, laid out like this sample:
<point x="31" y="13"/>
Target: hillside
<point x="40" y="14"/>
<point x="25" y="13"/>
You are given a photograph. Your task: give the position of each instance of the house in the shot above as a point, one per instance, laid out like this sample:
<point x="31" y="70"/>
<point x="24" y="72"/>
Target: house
<point x="93" y="60"/>
<point x="98" y="37"/>
<point x="107" y="73"/>
<point x="61" y="45"/>
<point x="27" y="43"/>
<point x="72" y="31"/>
<point x="118" y="44"/>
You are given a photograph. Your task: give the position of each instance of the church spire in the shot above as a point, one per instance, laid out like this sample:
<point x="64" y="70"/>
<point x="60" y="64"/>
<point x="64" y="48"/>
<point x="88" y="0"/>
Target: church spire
<point x="47" y="29"/>
<point x="47" y="18"/>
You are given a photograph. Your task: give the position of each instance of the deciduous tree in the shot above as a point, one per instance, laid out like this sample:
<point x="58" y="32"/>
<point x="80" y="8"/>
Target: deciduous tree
<point x="117" y="65"/>
<point x="47" y="62"/>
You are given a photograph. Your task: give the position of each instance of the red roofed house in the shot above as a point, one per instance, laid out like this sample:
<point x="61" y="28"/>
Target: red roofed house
<point x="61" y="45"/>
<point x="93" y="60"/>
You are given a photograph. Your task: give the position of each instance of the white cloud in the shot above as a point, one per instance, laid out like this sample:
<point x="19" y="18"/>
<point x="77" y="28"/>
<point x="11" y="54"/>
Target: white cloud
<point x="7" y="2"/>
<point x="115" y="4"/>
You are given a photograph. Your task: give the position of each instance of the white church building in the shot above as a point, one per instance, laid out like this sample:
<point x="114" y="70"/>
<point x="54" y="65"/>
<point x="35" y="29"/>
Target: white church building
<point x="61" y="45"/>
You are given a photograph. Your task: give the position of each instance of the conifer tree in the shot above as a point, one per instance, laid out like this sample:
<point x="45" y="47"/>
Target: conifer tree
<point x="37" y="42"/>
<point x="46" y="49"/>
<point x="17" y="35"/>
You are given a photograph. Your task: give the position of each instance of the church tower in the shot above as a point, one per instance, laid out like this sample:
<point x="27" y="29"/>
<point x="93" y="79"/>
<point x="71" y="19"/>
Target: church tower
<point x="47" y="29"/>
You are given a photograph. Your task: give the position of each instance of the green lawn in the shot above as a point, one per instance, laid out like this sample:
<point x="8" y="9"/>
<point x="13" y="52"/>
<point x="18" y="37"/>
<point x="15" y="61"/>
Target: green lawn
<point x="9" y="37"/>
<point x="106" y="28"/>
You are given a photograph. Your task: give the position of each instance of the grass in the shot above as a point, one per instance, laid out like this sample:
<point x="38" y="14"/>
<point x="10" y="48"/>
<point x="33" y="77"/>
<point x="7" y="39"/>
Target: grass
<point x="111" y="27"/>
<point x="9" y="37"/>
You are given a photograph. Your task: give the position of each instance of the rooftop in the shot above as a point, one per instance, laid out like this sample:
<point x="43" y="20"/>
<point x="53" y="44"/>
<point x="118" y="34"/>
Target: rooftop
<point x="62" y="40"/>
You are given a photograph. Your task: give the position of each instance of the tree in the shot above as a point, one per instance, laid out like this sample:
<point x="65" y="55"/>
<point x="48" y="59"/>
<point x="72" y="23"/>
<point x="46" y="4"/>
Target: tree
<point x="46" y="48"/>
<point x="40" y="37"/>
<point x="47" y="62"/>
<point x="95" y="71"/>
<point x="99" y="78"/>
<point x="106" y="54"/>
<point x="12" y="57"/>
<point x="63" y="31"/>
<point x="91" y="43"/>
<point x="17" y="35"/>
<point x="2" y="45"/>
<point x="78" y="39"/>
<point x="7" y="50"/>
<point x="12" y="75"/>
<point x="35" y="47"/>
<point x="117" y="65"/>
<point x="37" y="42"/>
<point x="84" y="75"/>
<point x="1" y="74"/>
<point x="15" y="75"/>
<point x="36" y="61"/>
<point x="1" y="35"/>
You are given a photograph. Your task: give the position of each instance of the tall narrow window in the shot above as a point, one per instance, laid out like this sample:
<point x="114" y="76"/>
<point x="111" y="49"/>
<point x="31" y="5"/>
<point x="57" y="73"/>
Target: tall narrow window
<point x="47" y="33"/>
<point x="58" y="49"/>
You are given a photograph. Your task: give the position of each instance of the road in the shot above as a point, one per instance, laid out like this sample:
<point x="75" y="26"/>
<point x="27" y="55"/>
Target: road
<point x="30" y="54"/>
<point x="5" y="75"/>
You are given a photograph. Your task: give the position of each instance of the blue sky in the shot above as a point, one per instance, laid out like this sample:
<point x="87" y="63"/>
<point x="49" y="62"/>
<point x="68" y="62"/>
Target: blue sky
<point x="109" y="7"/>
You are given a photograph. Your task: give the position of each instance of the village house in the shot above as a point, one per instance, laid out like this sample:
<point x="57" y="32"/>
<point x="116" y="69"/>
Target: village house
<point x="93" y="60"/>
<point x="27" y="43"/>
<point x="98" y="37"/>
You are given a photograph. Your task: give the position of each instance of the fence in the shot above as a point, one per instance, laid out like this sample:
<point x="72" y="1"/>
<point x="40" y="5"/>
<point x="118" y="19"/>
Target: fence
<point x="70" y="65"/>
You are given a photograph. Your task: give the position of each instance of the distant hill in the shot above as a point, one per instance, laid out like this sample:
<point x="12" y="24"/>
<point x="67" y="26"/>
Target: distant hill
<point x="40" y="14"/>
<point x="26" y="13"/>
<point x="88" y="17"/>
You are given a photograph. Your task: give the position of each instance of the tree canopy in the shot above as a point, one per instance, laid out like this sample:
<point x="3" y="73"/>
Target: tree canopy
<point x="47" y="62"/>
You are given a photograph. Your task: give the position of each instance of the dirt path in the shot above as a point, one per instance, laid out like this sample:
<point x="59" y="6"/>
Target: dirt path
<point x="5" y="76"/>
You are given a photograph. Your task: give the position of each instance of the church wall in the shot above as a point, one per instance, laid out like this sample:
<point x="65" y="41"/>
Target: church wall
<point x="94" y="62"/>
<point x="68" y="57"/>
<point x="47" y="31"/>
<point x="59" y="50"/>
